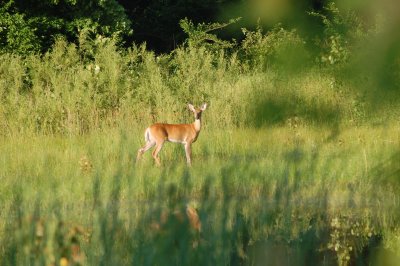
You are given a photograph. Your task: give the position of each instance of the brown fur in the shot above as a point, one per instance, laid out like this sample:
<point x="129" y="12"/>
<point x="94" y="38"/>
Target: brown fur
<point x="157" y="134"/>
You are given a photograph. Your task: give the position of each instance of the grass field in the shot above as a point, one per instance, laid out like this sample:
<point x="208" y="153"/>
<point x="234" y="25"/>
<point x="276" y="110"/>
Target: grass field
<point x="295" y="194"/>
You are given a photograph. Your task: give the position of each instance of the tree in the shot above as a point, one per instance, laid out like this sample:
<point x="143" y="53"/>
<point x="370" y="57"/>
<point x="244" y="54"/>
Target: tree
<point x="32" y="25"/>
<point x="156" y="22"/>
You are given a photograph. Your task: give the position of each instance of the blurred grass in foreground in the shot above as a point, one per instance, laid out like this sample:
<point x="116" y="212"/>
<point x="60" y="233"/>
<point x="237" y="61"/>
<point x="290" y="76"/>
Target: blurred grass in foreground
<point x="283" y="196"/>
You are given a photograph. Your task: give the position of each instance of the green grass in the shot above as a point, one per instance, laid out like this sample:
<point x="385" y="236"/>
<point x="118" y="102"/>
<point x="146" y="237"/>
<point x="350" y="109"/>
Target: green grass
<point x="254" y="189"/>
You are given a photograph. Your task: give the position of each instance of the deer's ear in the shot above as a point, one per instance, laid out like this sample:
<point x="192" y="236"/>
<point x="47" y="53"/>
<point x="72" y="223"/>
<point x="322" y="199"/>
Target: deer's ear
<point x="203" y="107"/>
<point x="191" y="107"/>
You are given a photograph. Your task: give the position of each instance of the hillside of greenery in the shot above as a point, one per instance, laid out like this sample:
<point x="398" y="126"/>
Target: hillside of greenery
<point x="297" y="162"/>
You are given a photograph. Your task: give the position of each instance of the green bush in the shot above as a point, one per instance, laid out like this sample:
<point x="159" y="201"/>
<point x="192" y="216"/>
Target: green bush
<point x="278" y="47"/>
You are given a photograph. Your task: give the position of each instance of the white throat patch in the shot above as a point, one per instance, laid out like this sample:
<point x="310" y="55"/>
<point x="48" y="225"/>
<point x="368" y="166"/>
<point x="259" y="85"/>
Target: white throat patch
<point x="197" y="125"/>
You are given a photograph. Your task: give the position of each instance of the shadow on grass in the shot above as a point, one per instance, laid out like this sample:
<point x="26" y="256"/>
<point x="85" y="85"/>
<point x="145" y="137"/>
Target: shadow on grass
<point x="278" y="111"/>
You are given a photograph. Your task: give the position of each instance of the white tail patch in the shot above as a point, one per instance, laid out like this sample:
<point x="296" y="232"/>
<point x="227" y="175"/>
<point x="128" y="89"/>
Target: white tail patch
<point x="147" y="135"/>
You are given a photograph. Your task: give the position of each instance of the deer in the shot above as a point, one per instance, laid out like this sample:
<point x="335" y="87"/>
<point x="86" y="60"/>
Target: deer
<point x="186" y="134"/>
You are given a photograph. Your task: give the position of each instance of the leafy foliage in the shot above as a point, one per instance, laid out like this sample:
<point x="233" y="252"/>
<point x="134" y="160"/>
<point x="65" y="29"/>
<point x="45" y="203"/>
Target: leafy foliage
<point x="156" y="22"/>
<point x="342" y="31"/>
<point x="17" y="34"/>
<point x="31" y="26"/>
<point x="199" y="35"/>
<point x="278" y="47"/>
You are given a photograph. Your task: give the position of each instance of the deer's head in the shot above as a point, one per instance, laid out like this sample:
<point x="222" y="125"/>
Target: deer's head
<point x="197" y="111"/>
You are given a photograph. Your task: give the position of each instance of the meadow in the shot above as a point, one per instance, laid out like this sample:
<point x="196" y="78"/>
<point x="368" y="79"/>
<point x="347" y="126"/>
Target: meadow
<point x="292" y="166"/>
<point x="284" y="196"/>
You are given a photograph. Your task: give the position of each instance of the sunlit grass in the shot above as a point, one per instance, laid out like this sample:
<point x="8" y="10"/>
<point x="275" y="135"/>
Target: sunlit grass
<point x="262" y="174"/>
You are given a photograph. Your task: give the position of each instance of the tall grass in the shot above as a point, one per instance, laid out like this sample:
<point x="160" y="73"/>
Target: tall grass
<point x="317" y="199"/>
<point x="61" y="92"/>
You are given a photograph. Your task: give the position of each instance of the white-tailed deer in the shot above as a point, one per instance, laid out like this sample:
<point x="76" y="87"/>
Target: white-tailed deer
<point x="186" y="134"/>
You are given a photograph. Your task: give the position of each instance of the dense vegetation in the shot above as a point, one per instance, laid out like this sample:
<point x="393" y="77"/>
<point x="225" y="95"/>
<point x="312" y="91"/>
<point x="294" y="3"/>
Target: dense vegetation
<point x="297" y="162"/>
<point x="31" y="25"/>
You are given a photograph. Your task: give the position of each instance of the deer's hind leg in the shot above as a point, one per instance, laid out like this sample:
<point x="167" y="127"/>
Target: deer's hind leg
<point x="159" y="146"/>
<point x="145" y="148"/>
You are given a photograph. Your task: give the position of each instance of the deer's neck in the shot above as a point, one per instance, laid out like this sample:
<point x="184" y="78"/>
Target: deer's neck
<point x="197" y="125"/>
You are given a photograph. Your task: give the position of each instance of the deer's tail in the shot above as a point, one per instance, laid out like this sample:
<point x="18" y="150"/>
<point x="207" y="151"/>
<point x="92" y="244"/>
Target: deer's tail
<point x="147" y="135"/>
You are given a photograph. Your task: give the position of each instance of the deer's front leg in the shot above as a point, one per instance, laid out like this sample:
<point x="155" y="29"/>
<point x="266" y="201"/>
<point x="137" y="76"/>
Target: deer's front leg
<point x="188" y="151"/>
